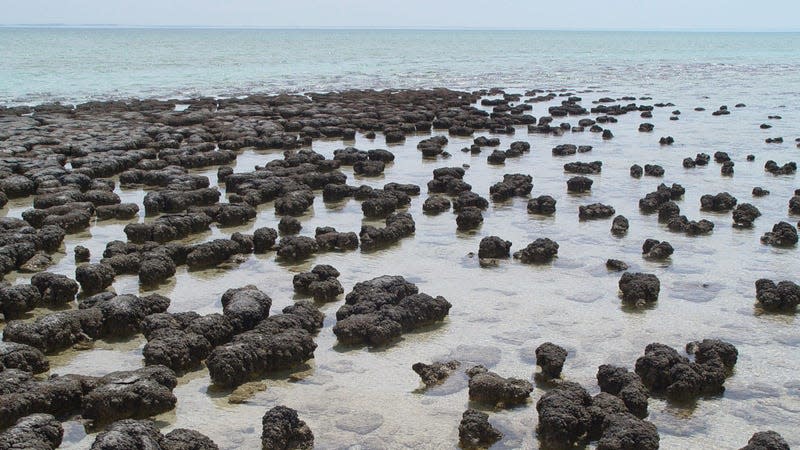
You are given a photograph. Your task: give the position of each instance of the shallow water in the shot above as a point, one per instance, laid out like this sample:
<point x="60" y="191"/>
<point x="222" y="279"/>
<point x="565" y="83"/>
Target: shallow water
<point x="369" y="398"/>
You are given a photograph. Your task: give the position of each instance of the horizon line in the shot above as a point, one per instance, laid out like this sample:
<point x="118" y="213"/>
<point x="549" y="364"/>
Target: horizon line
<point x="391" y="28"/>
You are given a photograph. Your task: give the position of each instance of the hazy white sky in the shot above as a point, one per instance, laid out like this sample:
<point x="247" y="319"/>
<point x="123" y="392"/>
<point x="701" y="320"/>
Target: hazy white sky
<point x="570" y="14"/>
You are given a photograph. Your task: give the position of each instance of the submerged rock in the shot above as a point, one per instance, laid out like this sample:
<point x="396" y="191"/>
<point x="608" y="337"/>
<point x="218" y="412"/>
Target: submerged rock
<point x="541" y="250"/>
<point x="616" y="265"/>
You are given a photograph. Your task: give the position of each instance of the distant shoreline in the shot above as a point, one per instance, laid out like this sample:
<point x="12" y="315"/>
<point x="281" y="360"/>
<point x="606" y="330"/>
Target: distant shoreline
<point x="346" y="28"/>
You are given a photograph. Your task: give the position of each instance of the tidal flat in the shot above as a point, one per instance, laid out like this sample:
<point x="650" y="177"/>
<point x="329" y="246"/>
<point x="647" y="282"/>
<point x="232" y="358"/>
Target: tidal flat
<point x="167" y="158"/>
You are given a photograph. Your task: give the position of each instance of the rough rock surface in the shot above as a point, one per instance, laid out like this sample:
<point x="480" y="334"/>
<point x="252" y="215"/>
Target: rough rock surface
<point x="435" y="373"/>
<point x="475" y="431"/>
<point x="639" y="288"/>
<point x="541" y="250"/>
<point x="34" y="432"/>
<point x="550" y="358"/>
<point x="783" y="296"/>
<point x="492" y="389"/>
<point x="766" y="440"/>
<point x="282" y="429"/>
<point x="382" y="309"/>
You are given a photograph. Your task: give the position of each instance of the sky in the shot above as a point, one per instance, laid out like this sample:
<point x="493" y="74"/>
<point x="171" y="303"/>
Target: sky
<point x="698" y="15"/>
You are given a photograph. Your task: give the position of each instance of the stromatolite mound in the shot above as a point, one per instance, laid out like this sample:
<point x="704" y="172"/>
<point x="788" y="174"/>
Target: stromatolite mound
<point x="492" y="389"/>
<point x="541" y="250"/>
<point x="34" y="432"/>
<point x="663" y="370"/>
<point x="639" y="288"/>
<point x="382" y="309"/>
<point x="783" y="296"/>
<point x="766" y="440"/>
<point x="435" y="373"/>
<point x="282" y="429"/>
<point x="475" y="431"/>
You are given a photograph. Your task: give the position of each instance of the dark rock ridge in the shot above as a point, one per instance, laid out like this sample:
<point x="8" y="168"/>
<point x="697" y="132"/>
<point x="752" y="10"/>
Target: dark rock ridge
<point x="382" y="309"/>
<point x="100" y="316"/>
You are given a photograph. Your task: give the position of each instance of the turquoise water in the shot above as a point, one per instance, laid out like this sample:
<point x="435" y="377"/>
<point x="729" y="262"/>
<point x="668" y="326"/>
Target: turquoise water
<point x="75" y="65"/>
<point x="501" y="313"/>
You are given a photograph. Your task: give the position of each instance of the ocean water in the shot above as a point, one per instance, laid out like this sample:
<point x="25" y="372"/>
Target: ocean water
<point x="363" y="398"/>
<point x="75" y="65"/>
